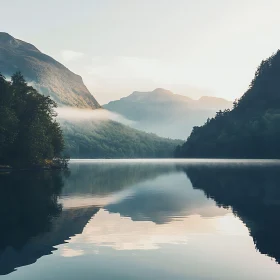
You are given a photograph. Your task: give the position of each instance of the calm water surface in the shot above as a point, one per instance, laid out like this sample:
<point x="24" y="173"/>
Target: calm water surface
<point x="142" y="220"/>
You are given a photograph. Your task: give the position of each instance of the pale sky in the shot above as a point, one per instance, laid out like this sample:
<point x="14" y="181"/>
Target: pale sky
<point x="192" y="47"/>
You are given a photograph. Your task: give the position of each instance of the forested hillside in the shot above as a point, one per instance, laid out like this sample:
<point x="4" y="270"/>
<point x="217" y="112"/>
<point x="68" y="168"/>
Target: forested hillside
<point x="251" y="129"/>
<point x="86" y="139"/>
<point x="110" y="139"/>
<point x="29" y="133"/>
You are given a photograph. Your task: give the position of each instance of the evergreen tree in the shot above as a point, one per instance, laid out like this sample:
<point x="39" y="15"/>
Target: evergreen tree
<point x="251" y="129"/>
<point x="29" y="133"/>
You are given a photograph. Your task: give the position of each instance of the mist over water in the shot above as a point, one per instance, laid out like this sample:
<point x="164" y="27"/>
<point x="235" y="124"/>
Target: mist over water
<point x="183" y="162"/>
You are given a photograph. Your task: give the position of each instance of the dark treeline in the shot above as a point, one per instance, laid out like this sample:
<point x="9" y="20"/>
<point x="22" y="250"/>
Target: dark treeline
<point x="29" y="134"/>
<point x="253" y="193"/>
<point x="251" y="129"/>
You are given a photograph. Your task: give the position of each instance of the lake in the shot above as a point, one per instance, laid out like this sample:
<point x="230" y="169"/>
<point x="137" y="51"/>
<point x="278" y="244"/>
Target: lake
<point x="142" y="219"/>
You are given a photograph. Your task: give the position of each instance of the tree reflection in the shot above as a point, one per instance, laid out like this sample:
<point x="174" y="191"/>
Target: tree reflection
<point x="102" y="179"/>
<point x="28" y="203"/>
<point x="253" y="193"/>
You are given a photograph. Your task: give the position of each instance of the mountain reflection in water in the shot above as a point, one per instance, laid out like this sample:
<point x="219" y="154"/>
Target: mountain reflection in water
<point x="192" y="217"/>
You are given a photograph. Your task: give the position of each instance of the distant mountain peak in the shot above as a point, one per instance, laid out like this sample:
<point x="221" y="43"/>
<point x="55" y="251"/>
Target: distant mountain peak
<point x="5" y="36"/>
<point x="160" y="95"/>
<point x="162" y="91"/>
<point x="214" y="102"/>
<point x="206" y="98"/>
<point x="165" y="113"/>
<point x="157" y="95"/>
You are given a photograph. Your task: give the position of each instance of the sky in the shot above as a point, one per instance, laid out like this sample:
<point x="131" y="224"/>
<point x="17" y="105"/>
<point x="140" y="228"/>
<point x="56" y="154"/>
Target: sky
<point x="191" y="47"/>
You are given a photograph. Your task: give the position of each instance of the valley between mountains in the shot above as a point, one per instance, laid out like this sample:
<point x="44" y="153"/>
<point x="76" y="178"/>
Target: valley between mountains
<point x="141" y="125"/>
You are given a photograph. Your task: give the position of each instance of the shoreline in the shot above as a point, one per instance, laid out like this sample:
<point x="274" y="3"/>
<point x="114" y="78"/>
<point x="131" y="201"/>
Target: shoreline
<point x="45" y="168"/>
<point x="161" y="161"/>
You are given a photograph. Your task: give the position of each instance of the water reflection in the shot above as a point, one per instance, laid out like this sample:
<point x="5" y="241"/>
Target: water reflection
<point x="32" y="221"/>
<point x="27" y="204"/>
<point x="106" y="178"/>
<point x="253" y="194"/>
<point x="124" y="221"/>
<point x="164" y="199"/>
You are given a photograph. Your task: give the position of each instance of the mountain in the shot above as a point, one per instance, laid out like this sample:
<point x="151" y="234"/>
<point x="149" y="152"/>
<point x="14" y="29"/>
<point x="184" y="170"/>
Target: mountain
<point x="110" y="139"/>
<point x="47" y="75"/>
<point x="251" y="129"/>
<point x="215" y="103"/>
<point x="104" y="138"/>
<point x="165" y="113"/>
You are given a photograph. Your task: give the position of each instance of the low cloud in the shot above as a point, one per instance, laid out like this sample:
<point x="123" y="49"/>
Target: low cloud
<point x="79" y="115"/>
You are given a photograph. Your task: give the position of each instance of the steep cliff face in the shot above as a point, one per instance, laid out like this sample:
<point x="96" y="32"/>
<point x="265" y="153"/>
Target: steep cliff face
<point x="46" y="74"/>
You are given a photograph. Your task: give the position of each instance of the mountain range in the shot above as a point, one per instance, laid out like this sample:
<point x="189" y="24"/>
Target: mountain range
<point x="165" y="113"/>
<point x="88" y="138"/>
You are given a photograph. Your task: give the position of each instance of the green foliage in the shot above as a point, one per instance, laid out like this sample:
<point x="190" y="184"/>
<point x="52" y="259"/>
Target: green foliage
<point x="29" y="135"/>
<point x="109" y="139"/>
<point x="250" y="130"/>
